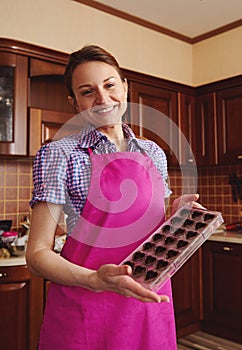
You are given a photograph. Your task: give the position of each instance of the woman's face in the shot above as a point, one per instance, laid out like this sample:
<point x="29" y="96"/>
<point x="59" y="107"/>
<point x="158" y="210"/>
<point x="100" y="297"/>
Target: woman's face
<point x="99" y="92"/>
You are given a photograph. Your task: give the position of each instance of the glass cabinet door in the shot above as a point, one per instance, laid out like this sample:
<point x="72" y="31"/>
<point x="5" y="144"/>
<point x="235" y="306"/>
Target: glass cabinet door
<point x="13" y="104"/>
<point x="6" y="103"/>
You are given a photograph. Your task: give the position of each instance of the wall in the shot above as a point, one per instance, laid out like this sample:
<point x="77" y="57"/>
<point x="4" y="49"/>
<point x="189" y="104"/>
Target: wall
<point x="218" y="58"/>
<point x="66" y="25"/>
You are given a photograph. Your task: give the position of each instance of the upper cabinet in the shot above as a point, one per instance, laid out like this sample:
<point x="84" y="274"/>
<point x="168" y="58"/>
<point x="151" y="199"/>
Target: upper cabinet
<point x="204" y="124"/>
<point x="13" y="104"/>
<point x="153" y="115"/>
<point x="32" y="93"/>
<point x="218" y="122"/>
<point x="163" y="111"/>
<point x="229" y="125"/>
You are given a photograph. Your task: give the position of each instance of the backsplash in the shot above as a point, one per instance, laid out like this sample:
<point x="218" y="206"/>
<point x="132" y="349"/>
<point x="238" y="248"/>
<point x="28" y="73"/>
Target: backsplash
<point x="213" y="187"/>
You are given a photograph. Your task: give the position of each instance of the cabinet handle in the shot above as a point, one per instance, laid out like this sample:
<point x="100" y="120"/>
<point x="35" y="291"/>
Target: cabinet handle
<point x="228" y="249"/>
<point x="239" y="157"/>
<point x="4" y="274"/>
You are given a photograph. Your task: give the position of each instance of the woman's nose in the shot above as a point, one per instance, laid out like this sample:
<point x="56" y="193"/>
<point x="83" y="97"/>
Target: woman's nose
<point x="102" y="97"/>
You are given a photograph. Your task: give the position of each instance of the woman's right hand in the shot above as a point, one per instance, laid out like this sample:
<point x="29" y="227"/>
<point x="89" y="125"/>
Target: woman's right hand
<point x="117" y="279"/>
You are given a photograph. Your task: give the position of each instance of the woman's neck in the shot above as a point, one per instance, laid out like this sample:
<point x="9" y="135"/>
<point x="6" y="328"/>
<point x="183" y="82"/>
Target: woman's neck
<point x="116" y="135"/>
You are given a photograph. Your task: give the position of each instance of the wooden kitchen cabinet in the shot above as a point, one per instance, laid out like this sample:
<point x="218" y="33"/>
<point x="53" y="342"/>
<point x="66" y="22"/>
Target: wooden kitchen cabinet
<point x="222" y="266"/>
<point x="187" y="295"/>
<point x="229" y="125"/>
<point x="186" y="123"/>
<point x="206" y="138"/>
<point x="153" y="115"/>
<point x="21" y="308"/>
<point x="13" y="103"/>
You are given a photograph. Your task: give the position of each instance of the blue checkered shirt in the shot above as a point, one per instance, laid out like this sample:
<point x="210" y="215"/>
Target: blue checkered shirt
<point x="62" y="169"/>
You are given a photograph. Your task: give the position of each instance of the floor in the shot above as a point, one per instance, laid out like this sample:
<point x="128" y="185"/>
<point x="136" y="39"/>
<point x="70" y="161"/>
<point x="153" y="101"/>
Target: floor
<point x="204" y="341"/>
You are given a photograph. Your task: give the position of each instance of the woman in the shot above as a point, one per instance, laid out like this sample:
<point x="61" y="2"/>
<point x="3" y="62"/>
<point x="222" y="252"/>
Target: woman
<point x="93" y="303"/>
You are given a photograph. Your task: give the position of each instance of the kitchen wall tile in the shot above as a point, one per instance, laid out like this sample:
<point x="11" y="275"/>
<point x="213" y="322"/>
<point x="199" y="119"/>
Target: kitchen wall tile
<point x="213" y="187"/>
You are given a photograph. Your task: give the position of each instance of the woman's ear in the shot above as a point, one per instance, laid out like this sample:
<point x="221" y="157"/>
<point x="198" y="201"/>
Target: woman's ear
<point x="72" y="101"/>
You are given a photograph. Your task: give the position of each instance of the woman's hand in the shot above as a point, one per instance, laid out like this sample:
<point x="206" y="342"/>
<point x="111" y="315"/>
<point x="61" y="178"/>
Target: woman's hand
<point x="186" y="199"/>
<point x="117" y="279"/>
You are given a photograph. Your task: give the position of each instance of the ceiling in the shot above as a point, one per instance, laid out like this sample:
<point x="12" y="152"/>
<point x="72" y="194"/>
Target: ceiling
<point x="191" y="18"/>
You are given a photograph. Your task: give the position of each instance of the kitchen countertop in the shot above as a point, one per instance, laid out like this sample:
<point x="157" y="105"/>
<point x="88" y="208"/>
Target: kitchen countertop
<point x="226" y="236"/>
<point x="218" y="236"/>
<point x="13" y="261"/>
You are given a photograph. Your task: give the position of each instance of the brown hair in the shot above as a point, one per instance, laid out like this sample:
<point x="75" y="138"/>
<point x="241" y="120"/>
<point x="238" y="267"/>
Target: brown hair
<point x="87" y="54"/>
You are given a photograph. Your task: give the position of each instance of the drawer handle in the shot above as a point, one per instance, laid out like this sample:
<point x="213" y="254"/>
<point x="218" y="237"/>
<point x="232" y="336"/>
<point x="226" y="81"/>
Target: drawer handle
<point x="4" y="274"/>
<point x="239" y="157"/>
<point x="228" y="249"/>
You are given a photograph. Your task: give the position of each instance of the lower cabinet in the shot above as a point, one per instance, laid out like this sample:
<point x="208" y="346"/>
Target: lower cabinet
<point x="187" y="295"/>
<point x="222" y="266"/>
<point x="21" y="308"/>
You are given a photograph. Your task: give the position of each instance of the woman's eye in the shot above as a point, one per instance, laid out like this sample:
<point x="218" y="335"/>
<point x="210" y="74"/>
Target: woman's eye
<point x="109" y="85"/>
<point x="86" y="92"/>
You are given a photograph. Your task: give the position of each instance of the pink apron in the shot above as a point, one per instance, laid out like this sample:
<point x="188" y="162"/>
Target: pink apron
<point x="125" y="204"/>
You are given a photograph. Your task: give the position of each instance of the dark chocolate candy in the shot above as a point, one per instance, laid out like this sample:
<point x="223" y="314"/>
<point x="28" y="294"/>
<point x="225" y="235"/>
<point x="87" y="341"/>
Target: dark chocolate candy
<point x="208" y="217"/>
<point x="188" y="222"/>
<point x="130" y="263"/>
<point x="181" y="244"/>
<point x="157" y="237"/>
<point x="196" y="214"/>
<point x="149" y="260"/>
<point x="191" y="234"/>
<point x="179" y="232"/>
<point x="139" y="270"/>
<point x="138" y="256"/>
<point x="169" y="240"/>
<point x="172" y="253"/>
<point x="151" y="275"/>
<point x="199" y="225"/>
<point x="161" y="264"/>
<point x="160" y="250"/>
<point x="167" y="228"/>
<point x="148" y="245"/>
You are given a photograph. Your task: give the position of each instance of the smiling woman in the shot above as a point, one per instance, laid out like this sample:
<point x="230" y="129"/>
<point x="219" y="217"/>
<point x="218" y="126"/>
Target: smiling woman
<point x="112" y="187"/>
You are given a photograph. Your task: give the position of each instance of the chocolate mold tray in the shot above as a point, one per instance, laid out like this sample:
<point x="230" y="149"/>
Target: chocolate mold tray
<point x="168" y="248"/>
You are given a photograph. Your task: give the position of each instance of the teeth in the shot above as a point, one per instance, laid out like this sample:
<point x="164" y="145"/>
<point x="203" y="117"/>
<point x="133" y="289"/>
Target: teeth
<point x="105" y="110"/>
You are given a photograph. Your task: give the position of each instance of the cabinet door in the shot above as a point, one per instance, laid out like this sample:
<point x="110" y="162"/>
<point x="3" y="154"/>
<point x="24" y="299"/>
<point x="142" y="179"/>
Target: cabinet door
<point x="229" y="125"/>
<point x="45" y="125"/>
<point x="206" y="138"/>
<point x="14" y="293"/>
<point x="47" y="89"/>
<point x="13" y="104"/>
<point x="222" y="265"/>
<point x="186" y="122"/>
<point x="187" y="296"/>
<point x="155" y="123"/>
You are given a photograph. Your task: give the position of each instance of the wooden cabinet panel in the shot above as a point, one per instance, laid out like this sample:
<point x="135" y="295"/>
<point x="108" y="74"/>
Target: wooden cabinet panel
<point x="187" y="295"/>
<point x="45" y="125"/>
<point x="21" y="308"/>
<point x="186" y="122"/>
<point x="229" y="125"/>
<point x="222" y="265"/>
<point x="153" y="114"/>
<point x="206" y="138"/>
<point x="14" y="291"/>
<point x="18" y="144"/>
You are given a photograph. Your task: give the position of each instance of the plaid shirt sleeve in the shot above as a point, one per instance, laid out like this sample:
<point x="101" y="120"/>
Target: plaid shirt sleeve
<point x="49" y="175"/>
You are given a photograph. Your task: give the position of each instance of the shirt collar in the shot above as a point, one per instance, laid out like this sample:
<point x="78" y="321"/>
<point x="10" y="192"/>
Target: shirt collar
<point x="90" y="136"/>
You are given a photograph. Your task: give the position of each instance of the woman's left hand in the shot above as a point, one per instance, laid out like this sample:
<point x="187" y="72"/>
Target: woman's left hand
<point x="186" y="199"/>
